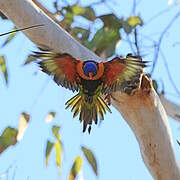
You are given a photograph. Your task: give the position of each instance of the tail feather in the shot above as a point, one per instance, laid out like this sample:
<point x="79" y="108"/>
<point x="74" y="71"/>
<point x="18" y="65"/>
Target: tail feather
<point x="77" y="105"/>
<point x="72" y="101"/>
<point x="88" y="110"/>
<point x="76" y="111"/>
<point x="95" y="118"/>
<point x="101" y="106"/>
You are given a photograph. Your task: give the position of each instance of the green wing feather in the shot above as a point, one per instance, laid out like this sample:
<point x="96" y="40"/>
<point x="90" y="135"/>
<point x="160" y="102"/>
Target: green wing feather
<point x="121" y="74"/>
<point x="61" y="66"/>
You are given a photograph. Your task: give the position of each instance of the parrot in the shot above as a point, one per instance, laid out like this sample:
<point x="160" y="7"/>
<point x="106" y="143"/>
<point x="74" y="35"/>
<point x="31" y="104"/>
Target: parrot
<point x="91" y="80"/>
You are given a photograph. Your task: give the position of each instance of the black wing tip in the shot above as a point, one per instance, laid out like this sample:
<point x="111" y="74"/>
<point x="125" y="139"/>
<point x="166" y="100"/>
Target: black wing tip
<point x="133" y="58"/>
<point x="41" y="65"/>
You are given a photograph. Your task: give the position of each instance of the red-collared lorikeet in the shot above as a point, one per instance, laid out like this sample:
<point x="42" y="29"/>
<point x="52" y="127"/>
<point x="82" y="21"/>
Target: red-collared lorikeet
<point x="91" y="80"/>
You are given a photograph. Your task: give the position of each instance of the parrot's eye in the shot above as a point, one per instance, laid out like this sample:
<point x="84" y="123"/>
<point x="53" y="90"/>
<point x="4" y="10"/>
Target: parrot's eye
<point x="90" y="68"/>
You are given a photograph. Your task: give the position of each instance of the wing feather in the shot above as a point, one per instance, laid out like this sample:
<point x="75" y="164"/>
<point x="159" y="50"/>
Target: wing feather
<point x="119" y="72"/>
<point x="61" y="66"/>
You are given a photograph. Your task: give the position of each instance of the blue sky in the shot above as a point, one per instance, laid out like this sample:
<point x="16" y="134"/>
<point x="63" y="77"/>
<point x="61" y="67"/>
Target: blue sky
<point x="113" y="142"/>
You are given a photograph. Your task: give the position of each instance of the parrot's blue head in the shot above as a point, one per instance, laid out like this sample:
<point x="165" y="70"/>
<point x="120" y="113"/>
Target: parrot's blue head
<point x="90" y="68"/>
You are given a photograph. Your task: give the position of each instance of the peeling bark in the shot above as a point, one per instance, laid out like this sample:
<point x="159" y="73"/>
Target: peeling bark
<point x="143" y="111"/>
<point x="146" y="116"/>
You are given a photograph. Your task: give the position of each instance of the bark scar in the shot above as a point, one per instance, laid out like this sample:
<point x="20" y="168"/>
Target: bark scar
<point x="146" y="84"/>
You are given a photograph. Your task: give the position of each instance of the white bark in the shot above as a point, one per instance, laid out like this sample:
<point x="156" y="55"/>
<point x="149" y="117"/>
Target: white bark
<point x="143" y="111"/>
<point x="146" y="116"/>
<point x="172" y="109"/>
<point x="25" y="13"/>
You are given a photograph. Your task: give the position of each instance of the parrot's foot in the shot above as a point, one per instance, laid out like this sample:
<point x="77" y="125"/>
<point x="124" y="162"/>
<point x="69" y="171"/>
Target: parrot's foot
<point x="131" y="86"/>
<point x="108" y="99"/>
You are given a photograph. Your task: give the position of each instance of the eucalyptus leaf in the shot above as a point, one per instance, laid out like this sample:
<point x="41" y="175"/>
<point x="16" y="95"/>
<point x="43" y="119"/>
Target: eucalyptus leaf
<point x="76" y="167"/>
<point x="111" y="21"/>
<point x="4" y="68"/>
<point x="55" y="130"/>
<point x="8" y="138"/>
<point x="58" y="149"/>
<point x="23" y="124"/>
<point x="51" y="115"/>
<point x="10" y="37"/>
<point x="49" y="147"/>
<point x="102" y="40"/>
<point x="90" y="158"/>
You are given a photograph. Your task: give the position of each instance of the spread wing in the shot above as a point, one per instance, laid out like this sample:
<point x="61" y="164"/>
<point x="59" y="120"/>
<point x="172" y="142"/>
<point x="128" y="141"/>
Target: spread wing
<point x="61" y="66"/>
<point x="122" y="73"/>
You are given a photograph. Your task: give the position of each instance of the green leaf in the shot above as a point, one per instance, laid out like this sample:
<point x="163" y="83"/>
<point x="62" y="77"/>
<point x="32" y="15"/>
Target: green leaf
<point x="4" y="68"/>
<point x="55" y="130"/>
<point x="57" y="145"/>
<point x="133" y="21"/>
<point x="77" y="10"/>
<point x="58" y="149"/>
<point x="71" y="11"/>
<point x="23" y="124"/>
<point x="55" y="4"/>
<point x="49" y="147"/>
<point x="8" y="138"/>
<point x="91" y="158"/>
<point x="102" y="40"/>
<point x="50" y="117"/>
<point x="89" y="13"/>
<point x="86" y="12"/>
<point x="68" y="17"/>
<point x="80" y="31"/>
<point x="76" y="167"/>
<point x="111" y="21"/>
<point x="10" y="37"/>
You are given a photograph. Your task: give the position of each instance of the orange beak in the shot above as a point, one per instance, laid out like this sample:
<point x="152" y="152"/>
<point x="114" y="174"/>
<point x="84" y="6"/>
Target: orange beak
<point x="90" y="75"/>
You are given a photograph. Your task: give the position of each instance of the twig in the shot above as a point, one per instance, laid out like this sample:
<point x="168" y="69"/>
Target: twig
<point x="138" y="2"/>
<point x="130" y="44"/>
<point x="109" y="6"/>
<point x="168" y="72"/>
<point x="40" y="92"/>
<point x="156" y="54"/>
<point x="176" y="43"/>
<point x="14" y="173"/>
<point x="21" y="29"/>
<point x="136" y="42"/>
<point x="160" y="13"/>
<point x="6" y="172"/>
<point x="133" y="11"/>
